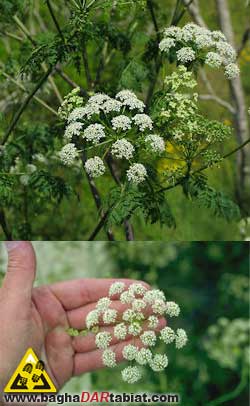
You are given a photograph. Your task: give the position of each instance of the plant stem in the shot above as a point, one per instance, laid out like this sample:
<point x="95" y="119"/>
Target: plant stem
<point x="234" y="393"/>
<point x="4" y="226"/>
<point x="55" y="20"/>
<point x="22" y="108"/>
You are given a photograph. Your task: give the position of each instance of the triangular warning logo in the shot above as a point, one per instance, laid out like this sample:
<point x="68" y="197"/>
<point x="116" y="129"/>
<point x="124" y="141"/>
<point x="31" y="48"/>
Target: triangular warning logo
<point x="30" y="376"/>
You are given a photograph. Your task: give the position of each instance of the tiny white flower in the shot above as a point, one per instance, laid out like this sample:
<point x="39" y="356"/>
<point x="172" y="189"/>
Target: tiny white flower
<point x="126" y="297"/>
<point x="154" y="294"/>
<point x="120" y="331"/>
<point x="185" y="55"/>
<point x="213" y="59"/>
<point x="121" y="122"/>
<point x="130" y="100"/>
<point x="138" y="304"/>
<point x="232" y="71"/>
<point x="92" y="318"/>
<point x="129" y="315"/>
<point x="166" y="44"/>
<point x="159" y="362"/>
<point x="181" y="338"/>
<point x="109" y="358"/>
<point x="77" y="114"/>
<point x="153" y="322"/>
<point x="173" y="309"/>
<point x="137" y="289"/>
<point x="129" y="352"/>
<point x="134" y="328"/>
<point x="143" y="121"/>
<point x="111" y="105"/>
<point x="73" y="129"/>
<point x="143" y="356"/>
<point x="167" y="335"/>
<point x="148" y="338"/>
<point x="156" y="143"/>
<point x="68" y="154"/>
<point x="103" y="340"/>
<point x="103" y="303"/>
<point x="137" y="173"/>
<point x="122" y="149"/>
<point x="94" y="167"/>
<point x="94" y="133"/>
<point x="159" y="306"/>
<point x="116" y="288"/>
<point x="109" y="316"/>
<point x="131" y="374"/>
<point x="98" y="98"/>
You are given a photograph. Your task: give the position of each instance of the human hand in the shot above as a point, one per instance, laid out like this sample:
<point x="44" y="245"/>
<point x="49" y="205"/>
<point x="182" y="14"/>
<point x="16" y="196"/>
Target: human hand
<point x="38" y="318"/>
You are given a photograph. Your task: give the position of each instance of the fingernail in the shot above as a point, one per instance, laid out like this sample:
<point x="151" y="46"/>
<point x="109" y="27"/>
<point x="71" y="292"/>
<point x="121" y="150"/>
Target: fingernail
<point x="11" y="245"/>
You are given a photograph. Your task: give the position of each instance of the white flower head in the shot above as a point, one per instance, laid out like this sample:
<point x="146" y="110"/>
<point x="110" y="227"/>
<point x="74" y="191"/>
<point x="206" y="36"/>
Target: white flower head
<point x="181" y="338"/>
<point x="154" y="294"/>
<point x="98" y="98"/>
<point x="74" y="128"/>
<point x="77" y="114"/>
<point x="129" y="352"/>
<point x="94" y="133"/>
<point x="156" y="143"/>
<point x="166" y="44"/>
<point x="173" y="309"/>
<point x="134" y="328"/>
<point x="130" y="100"/>
<point x="122" y="149"/>
<point x="103" y="340"/>
<point x="159" y="362"/>
<point x="148" y="338"/>
<point x="213" y="59"/>
<point x="109" y="316"/>
<point x="129" y="315"/>
<point x="131" y="374"/>
<point x="68" y="154"/>
<point x="111" y="105"/>
<point x="94" y="167"/>
<point x="103" y="303"/>
<point x="159" y="306"/>
<point x="137" y="173"/>
<point x="137" y="289"/>
<point x="143" y="121"/>
<point x="120" y="331"/>
<point x="186" y="55"/>
<point x="109" y="358"/>
<point x="153" y="322"/>
<point x="232" y="71"/>
<point x="167" y="335"/>
<point x="127" y="297"/>
<point x="143" y="356"/>
<point x="116" y="288"/>
<point x="92" y="318"/>
<point x="121" y="122"/>
<point x="138" y="304"/>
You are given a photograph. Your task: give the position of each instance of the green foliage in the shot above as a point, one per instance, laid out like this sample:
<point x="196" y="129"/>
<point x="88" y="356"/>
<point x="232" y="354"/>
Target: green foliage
<point x="134" y="75"/>
<point x="49" y="187"/>
<point x="8" y="8"/>
<point x="217" y="202"/>
<point x="6" y="189"/>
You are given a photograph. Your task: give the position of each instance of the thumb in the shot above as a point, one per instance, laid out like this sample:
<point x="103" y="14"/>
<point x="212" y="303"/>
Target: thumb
<point x="21" y="270"/>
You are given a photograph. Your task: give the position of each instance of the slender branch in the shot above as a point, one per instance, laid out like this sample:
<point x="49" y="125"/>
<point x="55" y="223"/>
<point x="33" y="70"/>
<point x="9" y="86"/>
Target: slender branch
<point x="234" y="393"/>
<point x="218" y="100"/>
<point x="43" y="103"/>
<point x="177" y="183"/>
<point x="129" y="232"/>
<point x="22" y="108"/>
<point x="55" y="20"/>
<point x="4" y="226"/>
<point x="86" y="66"/>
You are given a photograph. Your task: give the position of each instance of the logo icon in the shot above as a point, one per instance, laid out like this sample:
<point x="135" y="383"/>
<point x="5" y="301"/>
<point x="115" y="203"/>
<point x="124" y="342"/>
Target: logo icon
<point x="30" y="376"/>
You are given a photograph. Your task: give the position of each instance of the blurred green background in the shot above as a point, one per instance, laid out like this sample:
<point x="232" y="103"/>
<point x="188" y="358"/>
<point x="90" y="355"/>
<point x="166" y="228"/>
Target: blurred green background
<point x="210" y="281"/>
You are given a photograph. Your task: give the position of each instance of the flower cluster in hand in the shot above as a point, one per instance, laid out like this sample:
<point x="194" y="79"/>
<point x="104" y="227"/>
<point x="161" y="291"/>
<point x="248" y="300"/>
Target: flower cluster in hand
<point x="109" y="127"/>
<point x="140" y="320"/>
<point x="193" y="43"/>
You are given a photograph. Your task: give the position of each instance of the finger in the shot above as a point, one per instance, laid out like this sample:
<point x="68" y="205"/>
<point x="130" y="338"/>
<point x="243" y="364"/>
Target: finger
<point x="21" y="269"/>
<point x="91" y="361"/>
<point x="85" y="344"/>
<point x="77" y="317"/>
<point x="76" y="293"/>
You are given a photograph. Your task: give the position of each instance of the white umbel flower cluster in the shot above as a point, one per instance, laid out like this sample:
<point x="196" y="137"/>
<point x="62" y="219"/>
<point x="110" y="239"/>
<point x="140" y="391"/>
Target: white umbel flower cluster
<point x="116" y="127"/>
<point x="136" y="326"/>
<point x="68" y="154"/>
<point x="95" y="167"/>
<point x="192" y="42"/>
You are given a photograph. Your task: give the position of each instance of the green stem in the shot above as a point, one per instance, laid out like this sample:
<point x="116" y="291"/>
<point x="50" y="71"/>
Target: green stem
<point x="55" y="20"/>
<point x="22" y="108"/>
<point x="234" y="393"/>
